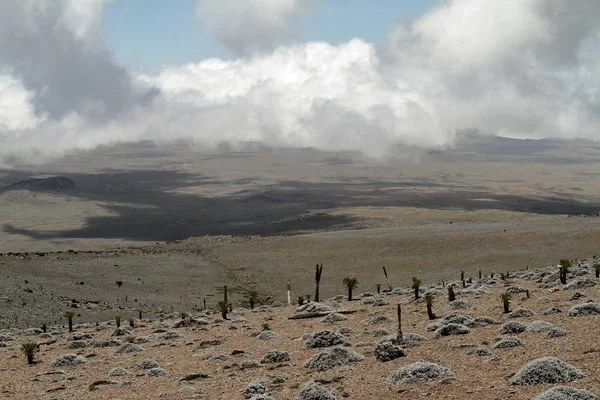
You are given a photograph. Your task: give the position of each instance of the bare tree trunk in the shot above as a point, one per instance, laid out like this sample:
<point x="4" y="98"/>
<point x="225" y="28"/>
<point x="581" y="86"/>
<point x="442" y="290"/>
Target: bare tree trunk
<point x="399" y="338"/>
<point x="318" y="271"/>
<point x="386" y="278"/>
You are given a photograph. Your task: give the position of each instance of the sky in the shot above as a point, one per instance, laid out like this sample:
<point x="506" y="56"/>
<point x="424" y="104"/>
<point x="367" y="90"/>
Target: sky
<point x="335" y="75"/>
<point x="153" y="33"/>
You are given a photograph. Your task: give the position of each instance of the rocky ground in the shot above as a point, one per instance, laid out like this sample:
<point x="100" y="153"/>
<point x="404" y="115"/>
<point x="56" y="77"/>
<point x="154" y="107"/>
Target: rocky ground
<point x="472" y="350"/>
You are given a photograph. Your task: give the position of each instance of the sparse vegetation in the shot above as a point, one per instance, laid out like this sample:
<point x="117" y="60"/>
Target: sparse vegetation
<point x="266" y="327"/>
<point x="70" y="315"/>
<point x="252" y="298"/>
<point x="506" y="298"/>
<point x="29" y="349"/>
<point x="300" y="300"/>
<point x="131" y="323"/>
<point x="118" y="321"/>
<point x="597" y="270"/>
<point x="429" y="303"/>
<point x="351" y="283"/>
<point x="416" y="285"/>
<point x="318" y="272"/>
<point x="223" y="308"/>
<point x="564" y="270"/>
<point x="451" y="294"/>
<point x="44" y="327"/>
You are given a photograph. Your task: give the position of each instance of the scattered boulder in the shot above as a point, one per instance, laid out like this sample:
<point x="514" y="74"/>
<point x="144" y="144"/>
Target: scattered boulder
<point x="546" y="370"/>
<point x="275" y="356"/>
<point x="387" y="351"/>
<point x="333" y="357"/>
<point x="418" y="372"/>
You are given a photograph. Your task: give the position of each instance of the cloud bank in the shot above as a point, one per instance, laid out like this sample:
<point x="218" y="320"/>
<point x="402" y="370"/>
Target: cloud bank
<point x="525" y="68"/>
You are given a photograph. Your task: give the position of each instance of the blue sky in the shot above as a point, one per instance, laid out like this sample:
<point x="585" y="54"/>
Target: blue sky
<point x="151" y="33"/>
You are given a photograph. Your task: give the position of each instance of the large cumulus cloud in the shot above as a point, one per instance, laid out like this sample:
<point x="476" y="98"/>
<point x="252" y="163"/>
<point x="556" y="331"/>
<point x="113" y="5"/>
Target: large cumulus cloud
<point x="518" y="68"/>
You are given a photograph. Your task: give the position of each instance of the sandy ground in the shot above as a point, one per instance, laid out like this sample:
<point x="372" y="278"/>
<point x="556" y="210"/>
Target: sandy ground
<point x="474" y="377"/>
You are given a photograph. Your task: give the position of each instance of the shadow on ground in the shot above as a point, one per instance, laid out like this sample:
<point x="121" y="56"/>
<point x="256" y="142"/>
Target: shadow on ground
<point x="144" y="205"/>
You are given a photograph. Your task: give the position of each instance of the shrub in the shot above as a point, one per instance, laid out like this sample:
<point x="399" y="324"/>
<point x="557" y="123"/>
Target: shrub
<point x="156" y="372"/>
<point x="556" y="332"/>
<point x="252" y="298"/>
<point x="333" y="357"/>
<point x="451" y="329"/>
<point x="275" y="356"/>
<point x="512" y="327"/>
<point x="223" y="308"/>
<point x="584" y="309"/>
<point x="255" y="390"/>
<point x="539" y="326"/>
<point x="418" y="372"/>
<point x="351" y="283"/>
<point x="29" y="349"/>
<point x="314" y="391"/>
<point x="546" y="370"/>
<point x="416" y="285"/>
<point x="521" y="313"/>
<point x="508" y="342"/>
<point x="147" y="364"/>
<point x="68" y="359"/>
<point x="566" y="393"/>
<point x="118" y="321"/>
<point x="324" y="339"/>
<point x="334" y="317"/>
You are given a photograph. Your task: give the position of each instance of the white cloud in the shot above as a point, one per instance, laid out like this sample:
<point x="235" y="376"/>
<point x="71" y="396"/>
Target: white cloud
<point x="526" y="68"/>
<point x="244" y="26"/>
